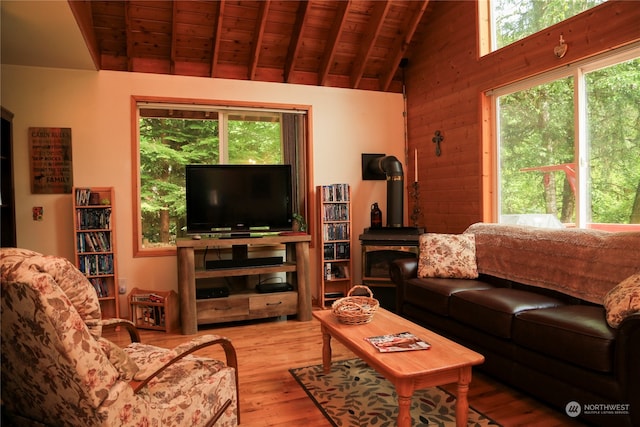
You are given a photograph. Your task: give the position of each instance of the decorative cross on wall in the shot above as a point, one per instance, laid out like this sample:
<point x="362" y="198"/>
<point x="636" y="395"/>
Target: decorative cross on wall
<point x="437" y="139"/>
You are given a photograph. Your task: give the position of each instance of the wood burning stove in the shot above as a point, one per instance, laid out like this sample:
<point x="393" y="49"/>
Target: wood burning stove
<point x="381" y="246"/>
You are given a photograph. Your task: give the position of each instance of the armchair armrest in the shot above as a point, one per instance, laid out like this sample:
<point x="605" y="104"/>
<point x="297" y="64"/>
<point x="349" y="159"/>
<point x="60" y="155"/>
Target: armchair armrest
<point x="111" y="324"/>
<point x="160" y="359"/>
<point x="184" y="350"/>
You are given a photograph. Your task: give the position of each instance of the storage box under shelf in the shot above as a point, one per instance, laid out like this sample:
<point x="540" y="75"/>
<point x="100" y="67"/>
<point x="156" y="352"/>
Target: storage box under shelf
<point x="156" y="310"/>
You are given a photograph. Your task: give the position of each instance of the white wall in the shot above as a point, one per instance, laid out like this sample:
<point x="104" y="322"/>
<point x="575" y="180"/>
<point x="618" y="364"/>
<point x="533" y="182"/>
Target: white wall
<point x="97" y="107"/>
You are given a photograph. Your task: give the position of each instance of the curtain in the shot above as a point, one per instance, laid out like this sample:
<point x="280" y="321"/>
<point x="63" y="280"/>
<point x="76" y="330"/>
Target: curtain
<point x="295" y="153"/>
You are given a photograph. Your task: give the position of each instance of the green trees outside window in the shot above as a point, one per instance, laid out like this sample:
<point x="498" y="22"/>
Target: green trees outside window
<point x="171" y="139"/>
<point x="613" y="140"/>
<point x="547" y="157"/>
<point x="513" y="20"/>
<point x="568" y="144"/>
<point x="536" y="133"/>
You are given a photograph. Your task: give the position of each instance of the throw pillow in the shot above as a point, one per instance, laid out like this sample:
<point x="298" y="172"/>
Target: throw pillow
<point x="126" y="367"/>
<point x="451" y="256"/>
<point x="623" y="300"/>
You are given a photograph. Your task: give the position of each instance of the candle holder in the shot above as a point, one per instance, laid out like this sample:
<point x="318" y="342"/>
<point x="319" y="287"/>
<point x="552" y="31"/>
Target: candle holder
<point x="416" y="213"/>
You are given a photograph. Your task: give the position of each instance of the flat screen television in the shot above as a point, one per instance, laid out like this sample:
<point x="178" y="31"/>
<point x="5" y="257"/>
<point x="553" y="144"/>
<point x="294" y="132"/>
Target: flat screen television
<point x="238" y="199"/>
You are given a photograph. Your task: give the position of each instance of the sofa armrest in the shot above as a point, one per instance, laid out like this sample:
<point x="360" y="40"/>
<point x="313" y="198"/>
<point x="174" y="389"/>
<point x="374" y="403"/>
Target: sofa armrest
<point x="400" y="271"/>
<point x="627" y="366"/>
<point x="403" y="269"/>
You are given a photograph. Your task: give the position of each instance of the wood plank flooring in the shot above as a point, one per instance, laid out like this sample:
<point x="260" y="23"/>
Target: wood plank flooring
<point x="269" y="396"/>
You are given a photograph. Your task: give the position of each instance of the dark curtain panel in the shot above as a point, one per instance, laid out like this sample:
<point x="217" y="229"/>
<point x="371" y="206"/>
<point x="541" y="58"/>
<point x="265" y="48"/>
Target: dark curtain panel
<point x="295" y="146"/>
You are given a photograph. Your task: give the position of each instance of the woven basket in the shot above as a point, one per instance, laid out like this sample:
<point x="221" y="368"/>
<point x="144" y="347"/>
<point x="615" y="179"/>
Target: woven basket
<point x="355" y="310"/>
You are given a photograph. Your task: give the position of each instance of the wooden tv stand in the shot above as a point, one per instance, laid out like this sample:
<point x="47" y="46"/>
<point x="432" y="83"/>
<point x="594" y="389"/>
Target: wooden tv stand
<point x="243" y="305"/>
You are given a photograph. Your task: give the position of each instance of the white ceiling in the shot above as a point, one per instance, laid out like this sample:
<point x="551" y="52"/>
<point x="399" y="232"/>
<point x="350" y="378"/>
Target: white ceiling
<point x="42" y="34"/>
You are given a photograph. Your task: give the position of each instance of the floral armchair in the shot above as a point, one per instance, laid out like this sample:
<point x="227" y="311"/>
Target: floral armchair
<point x="57" y="369"/>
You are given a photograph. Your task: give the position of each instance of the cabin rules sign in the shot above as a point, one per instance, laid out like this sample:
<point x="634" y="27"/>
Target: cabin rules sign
<point x="50" y="159"/>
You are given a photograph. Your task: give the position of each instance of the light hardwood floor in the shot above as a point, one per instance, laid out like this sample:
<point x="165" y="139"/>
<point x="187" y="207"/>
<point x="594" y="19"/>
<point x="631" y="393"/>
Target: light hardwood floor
<point x="269" y="395"/>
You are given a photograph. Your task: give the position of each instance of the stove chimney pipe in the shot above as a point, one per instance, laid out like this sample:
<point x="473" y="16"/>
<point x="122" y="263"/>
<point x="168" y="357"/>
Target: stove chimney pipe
<point x="392" y="168"/>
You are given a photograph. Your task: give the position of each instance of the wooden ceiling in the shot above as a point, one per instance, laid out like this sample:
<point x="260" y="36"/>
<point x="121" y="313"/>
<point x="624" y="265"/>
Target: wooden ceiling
<point x="355" y="44"/>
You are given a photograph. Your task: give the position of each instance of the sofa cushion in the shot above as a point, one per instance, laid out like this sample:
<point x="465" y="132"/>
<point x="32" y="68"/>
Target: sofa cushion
<point x="447" y="256"/>
<point x="623" y="300"/>
<point x="492" y="310"/>
<point x="433" y="293"/>
<point x="577" y="334"/>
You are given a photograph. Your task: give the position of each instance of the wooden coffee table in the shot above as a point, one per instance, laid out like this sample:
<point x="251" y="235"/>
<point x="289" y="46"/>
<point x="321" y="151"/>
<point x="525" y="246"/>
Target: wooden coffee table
<point x="444" y="363"/>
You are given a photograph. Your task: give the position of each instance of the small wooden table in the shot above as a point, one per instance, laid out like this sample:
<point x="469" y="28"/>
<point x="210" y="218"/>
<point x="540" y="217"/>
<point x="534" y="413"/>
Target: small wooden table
<point x="444" y="363"/>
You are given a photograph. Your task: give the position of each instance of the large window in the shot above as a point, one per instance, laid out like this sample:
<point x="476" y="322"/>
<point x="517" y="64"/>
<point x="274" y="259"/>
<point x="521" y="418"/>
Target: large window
<point x="512" y="20"/>
<point x="171" y="136"/>
<point x="569" y="146"/>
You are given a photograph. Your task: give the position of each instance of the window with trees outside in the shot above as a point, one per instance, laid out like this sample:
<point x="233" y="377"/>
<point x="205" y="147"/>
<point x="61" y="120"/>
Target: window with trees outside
<point x="568" y="146"/>
<point x="171" y="136"/>
<point x="512" y="20"/>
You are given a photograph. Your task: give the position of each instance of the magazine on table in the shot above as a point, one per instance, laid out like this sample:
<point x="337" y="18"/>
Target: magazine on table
<point x="403" y="341"/>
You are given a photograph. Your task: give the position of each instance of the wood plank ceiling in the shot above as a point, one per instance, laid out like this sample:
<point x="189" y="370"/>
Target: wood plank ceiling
<point x="354" y="44"/>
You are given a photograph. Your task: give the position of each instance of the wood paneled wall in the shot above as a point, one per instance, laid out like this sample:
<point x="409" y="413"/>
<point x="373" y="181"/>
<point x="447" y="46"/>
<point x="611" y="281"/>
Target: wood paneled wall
<point x="445" y="82"/>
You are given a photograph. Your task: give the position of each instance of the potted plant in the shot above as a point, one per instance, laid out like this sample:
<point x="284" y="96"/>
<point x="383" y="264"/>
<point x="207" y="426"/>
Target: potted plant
<point x="298" y="223"/>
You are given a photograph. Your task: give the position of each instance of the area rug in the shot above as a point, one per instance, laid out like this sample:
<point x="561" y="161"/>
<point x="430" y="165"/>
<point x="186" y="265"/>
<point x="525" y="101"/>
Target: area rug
<point x="353" y="394"/>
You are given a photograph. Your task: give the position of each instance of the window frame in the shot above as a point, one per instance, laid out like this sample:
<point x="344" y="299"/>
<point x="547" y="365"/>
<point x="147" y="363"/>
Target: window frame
<point x="166" y="102"/>
<point x="491" y="179"/>
<point x="487" y="39"/>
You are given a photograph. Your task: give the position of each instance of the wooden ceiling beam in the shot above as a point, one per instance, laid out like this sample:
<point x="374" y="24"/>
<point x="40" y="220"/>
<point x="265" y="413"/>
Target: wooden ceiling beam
<point x="295" y="43"/>
<point x="82" y="13"/>
<point x="332" y="42"/>
<point x="174" y="36"/>
<point x="128" y="35"/>
<point x="215" y="45"/>
<point x="380" y="10"/>
<point x="349" y="44"/>
<point x="403" y="45"/>
<point x="261" y="22"/>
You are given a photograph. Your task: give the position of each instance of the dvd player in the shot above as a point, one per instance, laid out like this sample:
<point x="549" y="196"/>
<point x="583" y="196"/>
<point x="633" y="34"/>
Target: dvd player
<point x="215" y="292"/>
<point x="245" y="262"/>
<point x="266" y="288"/>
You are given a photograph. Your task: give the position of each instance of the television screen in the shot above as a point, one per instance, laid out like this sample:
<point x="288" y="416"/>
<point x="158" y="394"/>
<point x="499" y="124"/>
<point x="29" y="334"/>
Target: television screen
<point x="238" y="198"/>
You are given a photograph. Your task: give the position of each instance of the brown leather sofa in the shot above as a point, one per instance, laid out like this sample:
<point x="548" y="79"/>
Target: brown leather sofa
<point x="542" y="338"/>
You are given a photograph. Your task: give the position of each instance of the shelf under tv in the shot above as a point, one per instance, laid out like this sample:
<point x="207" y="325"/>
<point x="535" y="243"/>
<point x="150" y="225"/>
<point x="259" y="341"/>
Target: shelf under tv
<point x="217" y="264"/>
<point x="243" y="305"/>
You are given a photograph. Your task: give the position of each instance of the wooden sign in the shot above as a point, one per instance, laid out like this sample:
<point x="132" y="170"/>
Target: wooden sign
<point x="50" y="160"/>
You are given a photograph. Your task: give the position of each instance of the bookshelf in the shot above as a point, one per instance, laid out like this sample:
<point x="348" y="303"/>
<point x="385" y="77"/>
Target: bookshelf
<point x="95" y="246"/>
<point x="334" y="219"/>
<point x="156" y="310"/>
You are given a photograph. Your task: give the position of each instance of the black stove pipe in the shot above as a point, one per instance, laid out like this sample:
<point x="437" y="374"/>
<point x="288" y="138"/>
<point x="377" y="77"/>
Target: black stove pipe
<point x="392" y="168"/>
